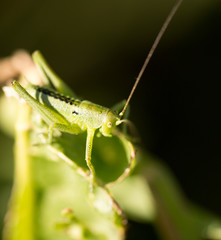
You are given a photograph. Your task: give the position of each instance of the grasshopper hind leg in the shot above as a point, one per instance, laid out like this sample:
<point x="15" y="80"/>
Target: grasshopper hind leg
<point x="50" y="78"/>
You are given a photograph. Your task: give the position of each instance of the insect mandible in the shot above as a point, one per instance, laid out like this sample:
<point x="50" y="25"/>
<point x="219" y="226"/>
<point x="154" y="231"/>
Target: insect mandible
<point x="68" y="114"/>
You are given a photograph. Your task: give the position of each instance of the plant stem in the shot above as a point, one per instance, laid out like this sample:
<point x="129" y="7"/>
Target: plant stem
<point x="20" y="216"/>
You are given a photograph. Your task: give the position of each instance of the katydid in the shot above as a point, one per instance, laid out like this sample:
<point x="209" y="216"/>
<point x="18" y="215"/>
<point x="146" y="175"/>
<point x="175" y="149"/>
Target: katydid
<point x="61" y="110"/>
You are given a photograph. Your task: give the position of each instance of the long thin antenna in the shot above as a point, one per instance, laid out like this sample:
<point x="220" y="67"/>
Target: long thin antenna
<point x="155" y="44"/>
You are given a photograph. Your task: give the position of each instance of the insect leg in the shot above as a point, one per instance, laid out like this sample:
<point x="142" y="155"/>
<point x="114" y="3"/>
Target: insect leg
<point x="49" y="115"/>
<point x="89" y="143"/>
<point x="50" y="133"/>
<point x="49" y="76"/>
<point x="118" y="107"/>
<point x="73" y="129"/>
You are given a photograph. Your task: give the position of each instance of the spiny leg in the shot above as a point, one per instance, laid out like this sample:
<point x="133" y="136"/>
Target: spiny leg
<point x="89" y="143"/>
<point x="49" y="76"/>
<point x="49" y="115"/>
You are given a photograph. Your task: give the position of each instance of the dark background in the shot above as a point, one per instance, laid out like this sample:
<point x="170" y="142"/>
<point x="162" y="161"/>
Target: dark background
<point x="98" y="47"/>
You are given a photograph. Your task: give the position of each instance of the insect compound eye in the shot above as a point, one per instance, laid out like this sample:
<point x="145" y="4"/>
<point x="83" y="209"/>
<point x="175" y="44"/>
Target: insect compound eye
<point x="109" y="124"/>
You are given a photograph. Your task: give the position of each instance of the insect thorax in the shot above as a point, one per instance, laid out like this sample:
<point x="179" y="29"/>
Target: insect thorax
<point x="92" y="115"/>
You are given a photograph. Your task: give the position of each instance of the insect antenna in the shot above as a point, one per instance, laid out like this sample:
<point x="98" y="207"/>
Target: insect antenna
<point x="147" y="60"/>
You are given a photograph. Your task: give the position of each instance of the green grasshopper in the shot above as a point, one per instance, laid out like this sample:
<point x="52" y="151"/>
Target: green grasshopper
<point x="61" y="110"/>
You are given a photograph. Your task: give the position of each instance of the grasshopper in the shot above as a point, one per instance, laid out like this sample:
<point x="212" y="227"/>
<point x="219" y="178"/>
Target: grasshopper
<point x="61" y="110"/>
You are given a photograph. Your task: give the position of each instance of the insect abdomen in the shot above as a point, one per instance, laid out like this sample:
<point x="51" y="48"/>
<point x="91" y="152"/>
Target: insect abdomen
<point x="64" y="105"/>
